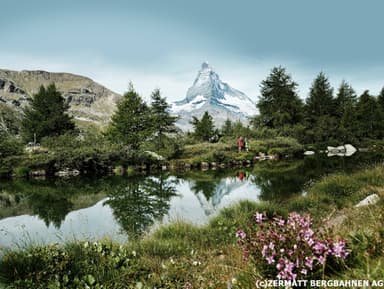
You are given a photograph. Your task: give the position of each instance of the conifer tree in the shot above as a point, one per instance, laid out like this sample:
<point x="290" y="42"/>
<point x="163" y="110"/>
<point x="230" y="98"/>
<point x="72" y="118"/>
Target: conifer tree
<point x="279" y="104"/>
<point x="130" y="124"/>
<point x="345" y="98"/>
<point x="345" y="108"/>
<point x="369" y="120"/>
<point x="204" y="128"/>
<point x="320" y="111"/>
<point x="380" y="99"/>
<point x="162" y="122"/>
<point x="227" y="128"/>
<point x="320" y="101"/>
<point x="46" y="115"/>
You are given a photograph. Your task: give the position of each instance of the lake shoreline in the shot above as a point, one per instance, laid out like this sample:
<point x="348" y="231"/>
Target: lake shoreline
<point x="179" y="253"/>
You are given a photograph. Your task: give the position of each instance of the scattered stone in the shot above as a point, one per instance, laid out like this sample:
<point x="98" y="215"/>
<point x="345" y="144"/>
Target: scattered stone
<point x="155" y="155"/>
<point x="38" y="173"/>
<point x="67" y="173"/>
<point x="204" y="166"/>
<point x="370" y="200"/>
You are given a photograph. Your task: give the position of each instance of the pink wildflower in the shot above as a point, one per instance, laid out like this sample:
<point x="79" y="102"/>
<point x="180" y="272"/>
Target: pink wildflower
<point x="259" y="218"/>
<point x="338" y="249"/>
<point x="321" y="259"/>
<point x="241" y="234"/>
<point x="309" y="263"/>
<point x="270" y="259"/>
<point x="264" y="251"/>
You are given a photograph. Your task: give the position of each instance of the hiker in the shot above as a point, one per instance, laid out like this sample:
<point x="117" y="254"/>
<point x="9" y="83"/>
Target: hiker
<point x="240" y="143"/>
<point x="246" y="144"/>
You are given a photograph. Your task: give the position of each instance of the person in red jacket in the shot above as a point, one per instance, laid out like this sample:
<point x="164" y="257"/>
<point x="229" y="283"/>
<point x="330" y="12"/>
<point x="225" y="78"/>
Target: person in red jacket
<point x="240" y="143"/>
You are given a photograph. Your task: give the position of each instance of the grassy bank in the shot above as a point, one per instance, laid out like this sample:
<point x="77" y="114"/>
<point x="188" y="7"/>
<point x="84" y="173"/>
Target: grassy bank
<point x="226" y="150"/>
<point x="95" y="155"/>
<point x="181" y="255"/>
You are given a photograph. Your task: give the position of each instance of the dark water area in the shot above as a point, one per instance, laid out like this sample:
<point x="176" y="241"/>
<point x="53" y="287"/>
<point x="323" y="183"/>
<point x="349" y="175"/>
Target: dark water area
<point x="121" y="207"/>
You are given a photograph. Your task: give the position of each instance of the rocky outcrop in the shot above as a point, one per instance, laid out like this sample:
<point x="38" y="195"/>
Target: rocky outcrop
<point x="88" y="100"/>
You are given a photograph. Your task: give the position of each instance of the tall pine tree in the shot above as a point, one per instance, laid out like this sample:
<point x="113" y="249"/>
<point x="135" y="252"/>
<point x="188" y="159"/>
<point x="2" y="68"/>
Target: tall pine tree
<point x="130" y="123"/>
<point x="380" y="99"/>
<point x="46" y="115"/>
<point x="227" y="128"/>
<point x="320" y="101"/>
<point x="203" y="128"/>
<point x="345" y="108"/>
<point x="279" y="104"/>
<point x="162" y="122"/>
<point x="320" y="111"/>
<point x="345" y="98"/>
<point x="368" y="117"/>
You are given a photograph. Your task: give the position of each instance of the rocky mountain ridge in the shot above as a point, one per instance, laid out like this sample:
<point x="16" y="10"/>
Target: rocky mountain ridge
<point x="88" y="100"/>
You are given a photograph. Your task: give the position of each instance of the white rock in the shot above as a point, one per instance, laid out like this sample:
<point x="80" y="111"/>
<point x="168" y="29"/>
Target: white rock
<point x="370" y="200"/>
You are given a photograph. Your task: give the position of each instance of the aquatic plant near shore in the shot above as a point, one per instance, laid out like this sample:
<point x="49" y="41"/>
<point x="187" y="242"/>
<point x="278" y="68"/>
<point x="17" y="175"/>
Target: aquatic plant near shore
<point x="289" y="249"/>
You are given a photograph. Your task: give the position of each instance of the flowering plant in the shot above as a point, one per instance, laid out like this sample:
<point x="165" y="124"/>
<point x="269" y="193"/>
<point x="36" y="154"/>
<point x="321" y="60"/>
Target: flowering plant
<point x="289" y="249"/>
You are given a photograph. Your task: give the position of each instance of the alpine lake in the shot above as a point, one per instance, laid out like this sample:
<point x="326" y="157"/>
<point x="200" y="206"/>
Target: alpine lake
<point x="40" y="211"/>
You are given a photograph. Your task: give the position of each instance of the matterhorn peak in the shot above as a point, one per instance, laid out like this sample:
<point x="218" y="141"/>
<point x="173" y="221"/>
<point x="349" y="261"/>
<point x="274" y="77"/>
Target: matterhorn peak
<point x="209" y="93"/>
<point x="205" y="65"/>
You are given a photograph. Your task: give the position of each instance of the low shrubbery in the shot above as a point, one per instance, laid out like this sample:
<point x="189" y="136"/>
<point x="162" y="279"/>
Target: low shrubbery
<point x="226" y="150"/>
<point x="281" y="146"/>
<point x="290" y="249"/>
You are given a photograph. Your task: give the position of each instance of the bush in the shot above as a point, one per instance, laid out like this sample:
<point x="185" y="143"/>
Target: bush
<point x="73" y="266"/>
<point x="279" y="145"/>
<point x="289" y="249"/>
<point x="9" y="146"/>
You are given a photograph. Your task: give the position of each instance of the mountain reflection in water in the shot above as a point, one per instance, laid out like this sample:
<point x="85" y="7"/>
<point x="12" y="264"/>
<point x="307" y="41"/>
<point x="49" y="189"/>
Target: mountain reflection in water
<point x="122" y="208"/>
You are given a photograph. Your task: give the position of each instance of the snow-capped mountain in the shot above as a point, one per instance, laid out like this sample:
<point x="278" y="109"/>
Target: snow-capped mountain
<point x="209" y="93"/>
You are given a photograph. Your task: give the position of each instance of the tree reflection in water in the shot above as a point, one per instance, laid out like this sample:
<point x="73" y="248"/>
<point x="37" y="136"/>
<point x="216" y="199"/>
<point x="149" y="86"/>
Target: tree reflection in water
<point x="50" y="207"/>
<point x="139" y="202"/>
<point x="279" y="181"/>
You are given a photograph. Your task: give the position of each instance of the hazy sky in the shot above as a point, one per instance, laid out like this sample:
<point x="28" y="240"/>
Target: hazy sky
<point x="162" y="43"/>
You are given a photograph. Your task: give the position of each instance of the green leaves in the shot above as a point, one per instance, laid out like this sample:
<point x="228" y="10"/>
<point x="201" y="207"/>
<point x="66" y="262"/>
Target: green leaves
<point x="130" y="124"/>
<point x="279" y="104"/>
<point x="135" y="123"/>
<point x="161" y="121"/>
<point x="46" y="115"/>
<point x="203" y="128"/>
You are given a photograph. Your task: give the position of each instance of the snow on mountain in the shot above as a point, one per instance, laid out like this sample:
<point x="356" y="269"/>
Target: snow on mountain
<point x="209" y="93"/>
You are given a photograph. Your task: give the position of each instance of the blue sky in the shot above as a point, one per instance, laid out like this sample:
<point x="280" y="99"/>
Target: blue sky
<point x="163" y="43"/>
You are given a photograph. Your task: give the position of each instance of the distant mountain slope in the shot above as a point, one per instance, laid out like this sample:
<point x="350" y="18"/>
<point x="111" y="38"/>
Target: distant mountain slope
<point x="209" y="93"/>
<point x="88" y="100"/>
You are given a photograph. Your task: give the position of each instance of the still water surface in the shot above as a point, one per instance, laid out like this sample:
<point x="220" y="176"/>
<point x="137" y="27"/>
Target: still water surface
<point x="59" y="210"/>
